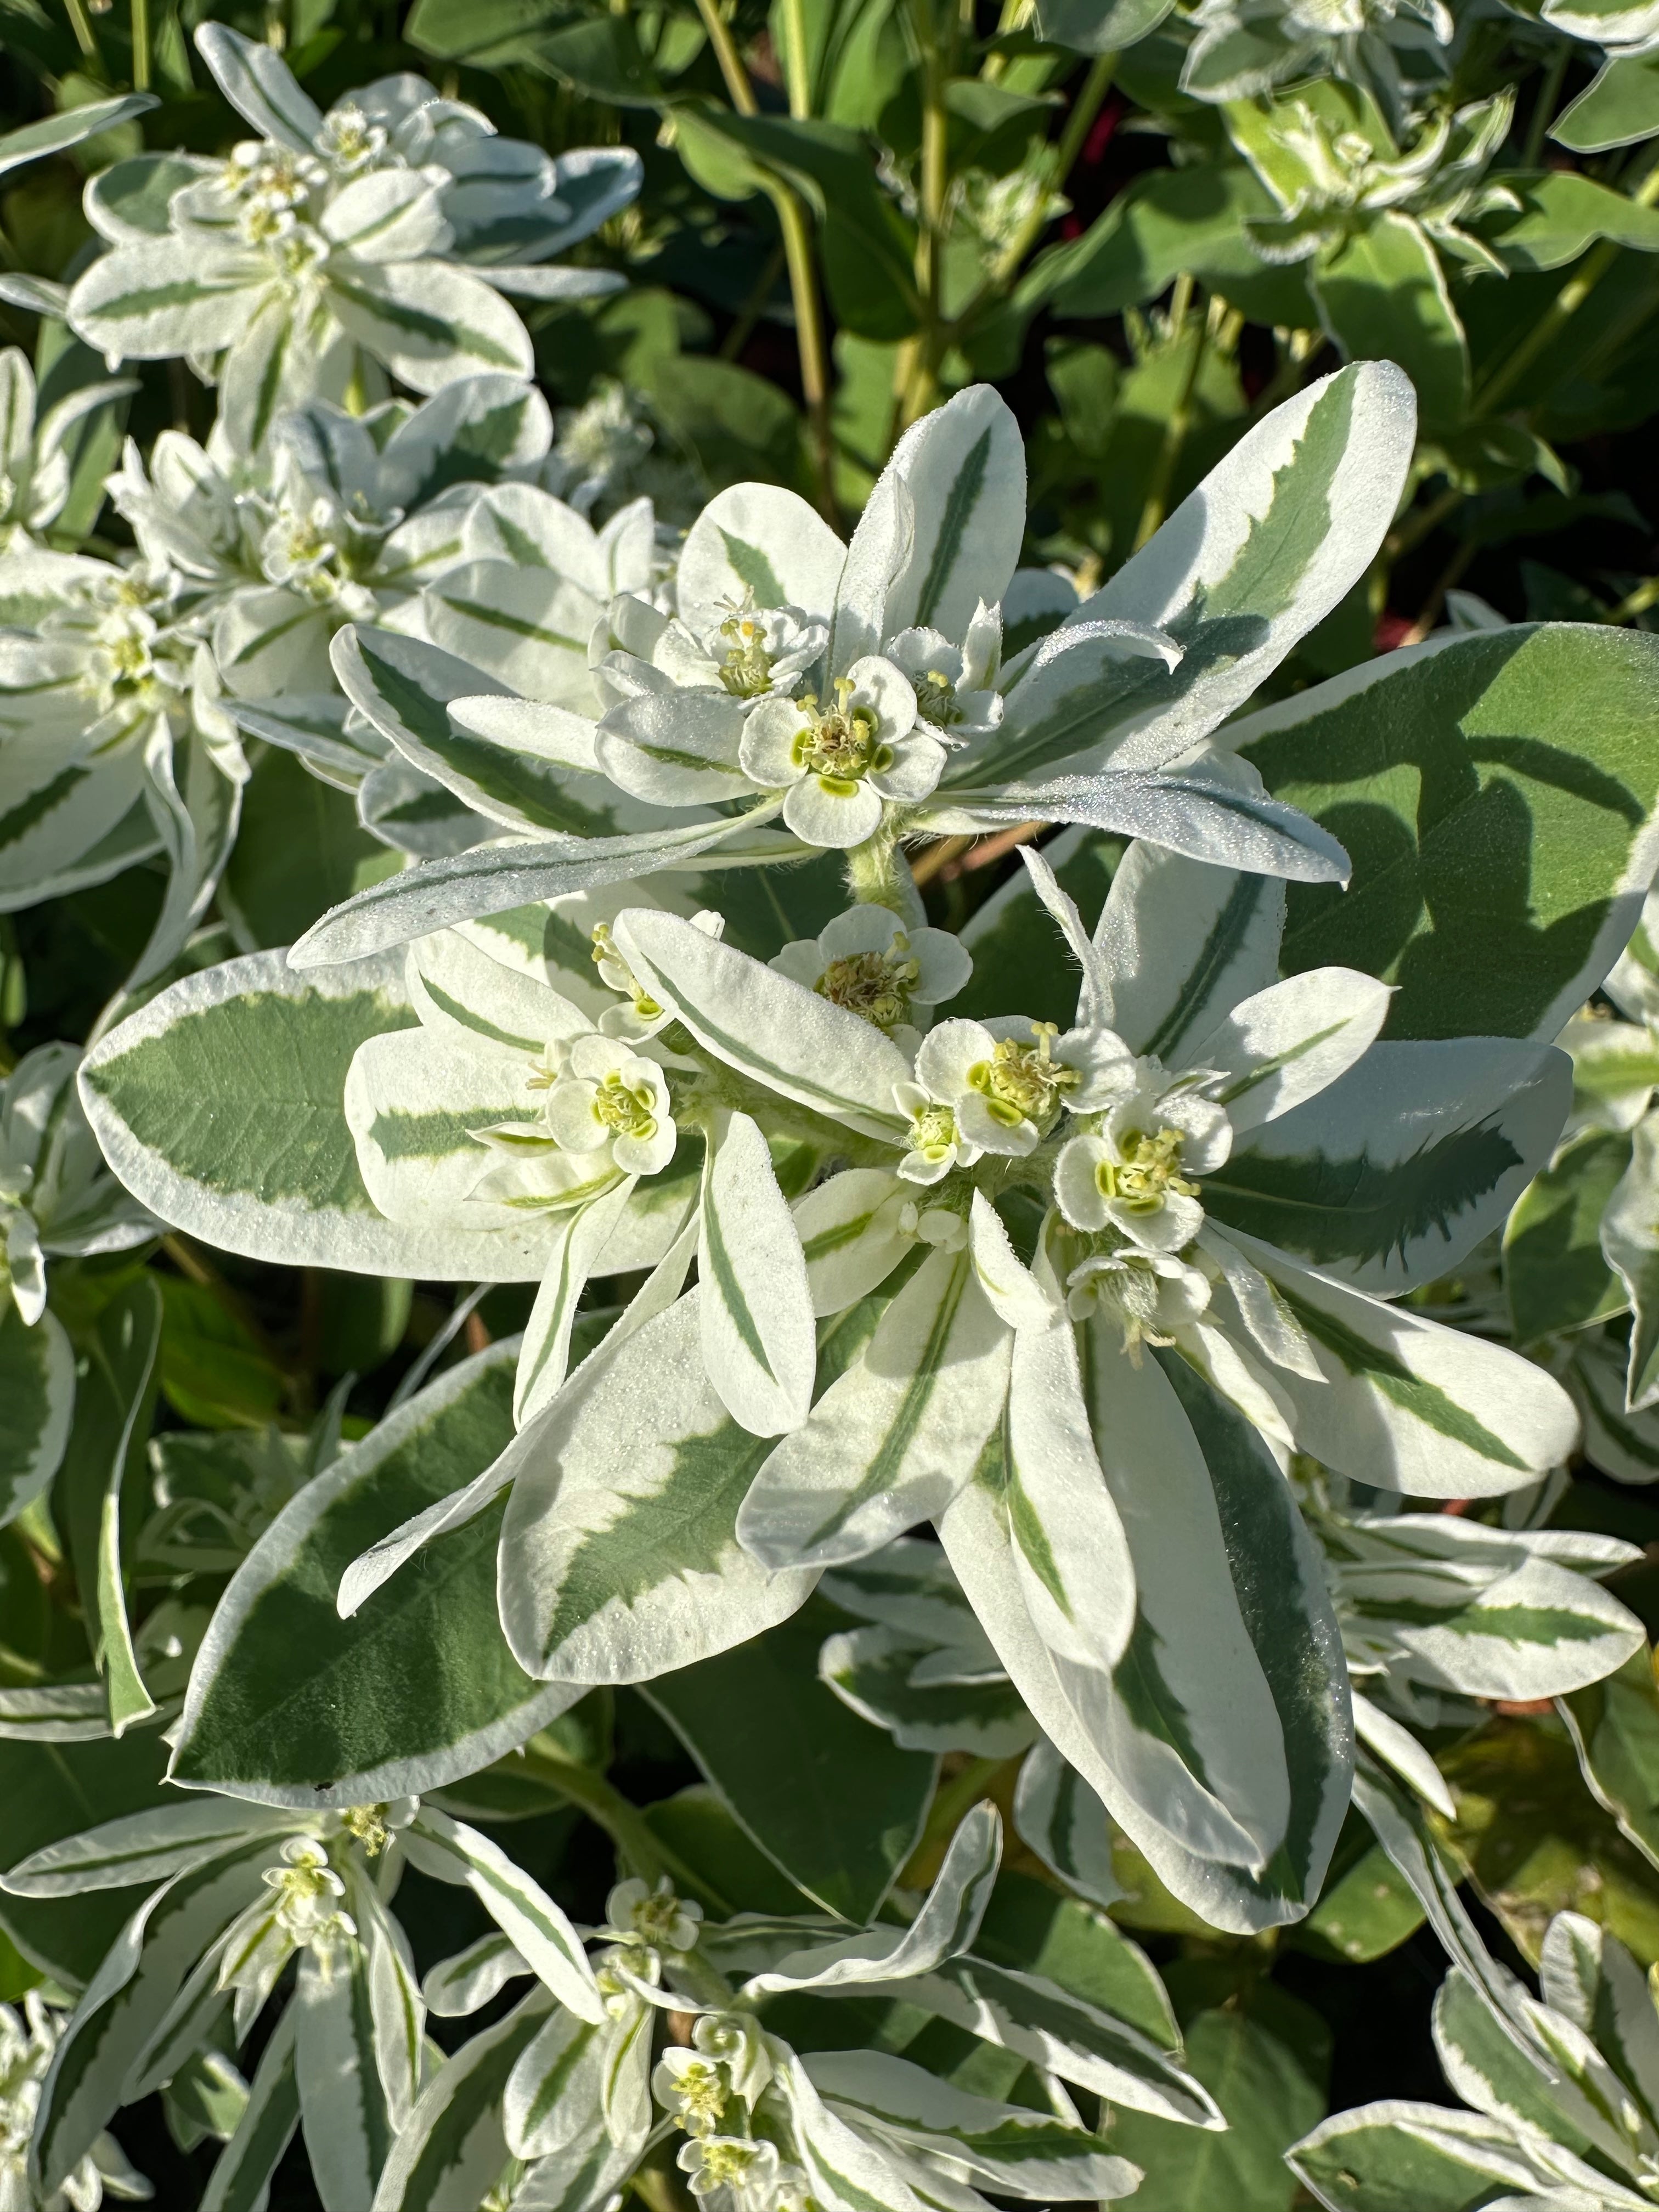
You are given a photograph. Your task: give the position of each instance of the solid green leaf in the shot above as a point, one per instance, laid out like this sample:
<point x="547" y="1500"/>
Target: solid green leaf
<point x="1497" y="795"/>
<point x="832" y="1801"/>
<point x="1555" y="1275"/>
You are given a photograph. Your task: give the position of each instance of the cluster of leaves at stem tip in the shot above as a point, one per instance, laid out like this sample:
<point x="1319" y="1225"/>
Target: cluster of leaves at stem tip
<point x="828" y="1164"/>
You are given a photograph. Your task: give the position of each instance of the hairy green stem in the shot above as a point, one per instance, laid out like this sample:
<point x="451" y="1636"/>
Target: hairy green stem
<point x="622" y="1821"/>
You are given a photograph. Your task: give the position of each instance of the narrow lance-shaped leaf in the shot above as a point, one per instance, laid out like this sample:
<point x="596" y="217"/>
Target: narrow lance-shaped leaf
<point x="343" y="2107"/>
<point x="889" y="1442"/>
<point x="619" y="1555"/>
<point x="759" y="1346"/>
<point x="947" y="1924"/>
<point x="538" y="1931"/>
<point x="240" y="2180"/>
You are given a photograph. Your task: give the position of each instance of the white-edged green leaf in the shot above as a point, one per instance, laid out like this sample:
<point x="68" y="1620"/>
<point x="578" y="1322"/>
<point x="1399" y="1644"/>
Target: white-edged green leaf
<point x="472" y="884"/>
<point x="240" y="2180"/>
<point x="891" y="1439"/>
<point x="1262" y="550"/>
<point x="1429" y="2156"/>
<point x="963" y="469"/>
<point x="1287" y="1044"/>
<point x="845" y="2172"/>
<point x="620" y="1559"/>
<point x="1399" y="1825"/>
<point x="404" y="686"/>
<point x="127" y="1998"/>
<point x="1053" y="2028"/>
<point x="756" y="544"/>
<point x="521" y="1908"/>
<point x="1483" y="1613"/>
<point x="872" y="1669"/>
<point x="36" y="1386"/>
<point x="553" y="2093"/>
<point x="170" y="295"/>
<point x="1630" y="1239"/>
<point x="57" y="1712"/>
<point x="851" y="1235"/>
<point x="428" y="321"/>
<point x="1385" y="1180"/>
<point x="1009" y="2148"/>
<point x="343" y="2107"/>
<point x="1061" y="1818"/>
<point x="55" y="134"/>
<point x="260" y="86"/>
<point x="1409" y="1405"/>
<point x="458" y="1985"/>
<point x="396" y="2008"/>
<point x="148" y="1847"/>
<point x="451" y="2153"/>
<point x="759" y="1346"/>
<point x="221" y="1105"/>
<point x="788" y="1038"/>
<point x="945" y="1927"/>
<point x="546" y="1353"/>
<point x="1202" y="814"/>
<point x="434" y="1692"/>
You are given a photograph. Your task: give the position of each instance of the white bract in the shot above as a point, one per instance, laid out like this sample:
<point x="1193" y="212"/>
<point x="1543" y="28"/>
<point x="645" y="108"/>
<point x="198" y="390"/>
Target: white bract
<point x="27" y="2042"/>
<point x="386" y="230"/>
<point x="860" y="692"/>
<point x="113" y="742"/>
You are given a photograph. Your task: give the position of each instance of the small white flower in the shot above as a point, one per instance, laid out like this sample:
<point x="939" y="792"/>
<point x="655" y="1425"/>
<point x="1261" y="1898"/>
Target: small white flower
<point x="607" y="1096"/>
<point x="633" y="1911"/>
<point x="955" y="685"/>
<point x="935" y="1140"/>
<point x="868" y="961"/>
<point x="1006" y="1079"/>
<point x="741" y="2168"/>
<point x="1136" y="1174"/>
<point x="1150" y="1295"/>
<point x="838" y="764"/>
<point x="737" y="2040"/>
<point x="639" y="1017"/>
<point x="692" y="2087"/>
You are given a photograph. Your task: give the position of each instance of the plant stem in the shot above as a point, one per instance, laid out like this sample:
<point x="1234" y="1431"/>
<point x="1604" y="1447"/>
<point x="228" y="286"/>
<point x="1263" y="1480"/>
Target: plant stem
<point x="798" y="253"/>
<point x="800" y="90"/>
<point x="809" y="346"/>
<point x="951" y="1801"/>
<point x="872" y="872"/>
<point x="141" y="45"/>
<point x="1562" y="308"/>
<point x="921" y="392"/>
<point x="1091" y="95"/>
<point x="1175" y="430"/>
<point x="80" y="24"/>
<point x="1421" y="521"/>
<point x="622" y="1821"/>
<point x="1637" y="602"/>
<point x="1543" y="114"/>
<point x="749" y="314"/>
<point x="738" y="90"/>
